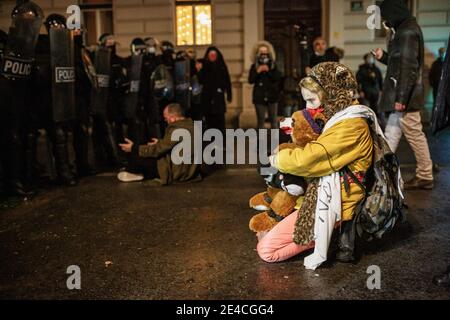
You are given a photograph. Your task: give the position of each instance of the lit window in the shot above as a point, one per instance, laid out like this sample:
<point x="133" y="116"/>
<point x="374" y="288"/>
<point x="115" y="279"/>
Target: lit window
<point x="193" y="21"/>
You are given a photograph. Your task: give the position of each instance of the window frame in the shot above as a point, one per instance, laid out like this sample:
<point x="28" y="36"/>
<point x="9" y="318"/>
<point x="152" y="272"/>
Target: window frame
<point x="97" y="9"/>
<point x="193" y="4"/>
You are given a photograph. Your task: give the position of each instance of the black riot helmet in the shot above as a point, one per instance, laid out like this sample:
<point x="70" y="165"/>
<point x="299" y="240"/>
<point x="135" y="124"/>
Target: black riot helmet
<point x="55" y="21"/>
<point x="27" y="10"/>
<point x="138" y="46"/>
<point x="167" y="46"/>
<point x="107" y="40"/>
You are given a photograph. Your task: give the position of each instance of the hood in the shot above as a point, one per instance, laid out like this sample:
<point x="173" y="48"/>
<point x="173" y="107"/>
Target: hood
<point x="339" y="84"/>
<point x="394" y="12"/>
<point x="220" y="60"/>
<point x="260" y="44"/>
<point x="219" y="53"/>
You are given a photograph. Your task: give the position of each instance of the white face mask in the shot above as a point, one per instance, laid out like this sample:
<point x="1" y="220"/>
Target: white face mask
<point x="370" y="60"/>
<point x="311" y="98"/>
<point x="152" y="50"/>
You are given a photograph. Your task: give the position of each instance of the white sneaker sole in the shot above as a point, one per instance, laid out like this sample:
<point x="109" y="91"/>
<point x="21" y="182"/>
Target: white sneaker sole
<point x="129" y="177"/>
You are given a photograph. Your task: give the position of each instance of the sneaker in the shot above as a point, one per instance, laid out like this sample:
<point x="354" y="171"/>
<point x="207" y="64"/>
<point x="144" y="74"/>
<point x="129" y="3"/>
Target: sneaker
<point x="125" y="176"/>
<point x="153" y="183"/>
<point x="417" y="184"/>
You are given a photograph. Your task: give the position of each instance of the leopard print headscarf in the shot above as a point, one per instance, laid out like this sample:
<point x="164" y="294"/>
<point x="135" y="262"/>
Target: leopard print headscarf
<point x="340" y="86"/>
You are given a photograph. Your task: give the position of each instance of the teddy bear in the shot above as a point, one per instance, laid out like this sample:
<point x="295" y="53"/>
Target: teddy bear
<point x="283" y="190"/>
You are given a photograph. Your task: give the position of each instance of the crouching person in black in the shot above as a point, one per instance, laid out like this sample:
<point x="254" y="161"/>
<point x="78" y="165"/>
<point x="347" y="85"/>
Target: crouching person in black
<point x="154" y="160"/>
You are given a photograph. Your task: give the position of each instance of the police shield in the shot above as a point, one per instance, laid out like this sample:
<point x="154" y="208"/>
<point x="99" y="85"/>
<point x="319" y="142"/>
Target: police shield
<point x="183" y="83"/>
<point x="162" y="84"/>
<point x="102" y="63"/>
<point x="89" y="68"/>
<point x="134" y="76"/>
<point x="23" y="34"/>
<point x="63" y="74"/>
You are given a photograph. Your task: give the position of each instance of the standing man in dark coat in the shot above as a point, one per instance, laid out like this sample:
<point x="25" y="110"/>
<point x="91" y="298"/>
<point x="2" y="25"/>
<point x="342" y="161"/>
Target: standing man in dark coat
<point x="216" y="82"/>
<point x="403" y="91"/>
<point x="370" y="82"/>
<point x="435" y="73"/>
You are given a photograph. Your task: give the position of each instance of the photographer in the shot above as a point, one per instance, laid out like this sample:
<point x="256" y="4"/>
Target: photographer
<point x="266" y="79"/>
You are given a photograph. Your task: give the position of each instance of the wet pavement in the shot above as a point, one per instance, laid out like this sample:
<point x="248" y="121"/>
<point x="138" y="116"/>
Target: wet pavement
<point x="192" y="241"/>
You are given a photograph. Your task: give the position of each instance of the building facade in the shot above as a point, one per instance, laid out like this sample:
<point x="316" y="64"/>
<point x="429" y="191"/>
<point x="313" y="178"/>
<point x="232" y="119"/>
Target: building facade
<point x="236" y="25"/>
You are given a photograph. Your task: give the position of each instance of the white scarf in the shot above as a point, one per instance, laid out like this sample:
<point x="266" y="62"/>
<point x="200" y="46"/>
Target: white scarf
<point x="329" y="202"/>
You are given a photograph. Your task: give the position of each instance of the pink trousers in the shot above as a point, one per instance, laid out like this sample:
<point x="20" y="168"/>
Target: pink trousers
<point x="278" y="245"/>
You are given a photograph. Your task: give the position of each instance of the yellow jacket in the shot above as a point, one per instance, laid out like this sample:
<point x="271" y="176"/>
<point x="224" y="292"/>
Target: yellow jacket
<point x="348" y="142"/>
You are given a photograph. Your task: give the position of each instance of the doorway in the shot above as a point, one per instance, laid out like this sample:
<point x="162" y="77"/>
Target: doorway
<point x="284" y="22"/>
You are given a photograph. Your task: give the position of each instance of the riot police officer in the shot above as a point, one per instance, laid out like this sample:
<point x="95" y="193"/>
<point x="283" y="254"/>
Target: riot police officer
<point x="3" y="39"/>
<point x="168" y="55"/>
<point x="168" y="61"/>
<point x="85" y="81"/>
<point x="54" y="89"/>
<point x="151" y="61"/>
<point x="107" y="100"/>
<point x="134" y="106"/>
<point x="15" y="73"/>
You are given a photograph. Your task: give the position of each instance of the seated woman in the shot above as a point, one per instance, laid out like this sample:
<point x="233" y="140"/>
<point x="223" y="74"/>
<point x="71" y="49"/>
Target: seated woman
<point x="346" y="142"/>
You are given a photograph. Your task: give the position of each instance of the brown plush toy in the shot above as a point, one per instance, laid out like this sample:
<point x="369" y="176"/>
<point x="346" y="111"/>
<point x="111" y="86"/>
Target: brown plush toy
<point x="279" y="200"/>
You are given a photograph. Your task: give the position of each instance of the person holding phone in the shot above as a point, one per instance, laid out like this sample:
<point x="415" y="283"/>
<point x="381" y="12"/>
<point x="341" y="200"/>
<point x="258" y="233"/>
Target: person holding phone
<point x="403" y="89"/>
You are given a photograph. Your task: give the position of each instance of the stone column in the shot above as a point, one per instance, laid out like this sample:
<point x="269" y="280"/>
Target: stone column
<point x="336" y="23"/>
<point x="253" y="32"/>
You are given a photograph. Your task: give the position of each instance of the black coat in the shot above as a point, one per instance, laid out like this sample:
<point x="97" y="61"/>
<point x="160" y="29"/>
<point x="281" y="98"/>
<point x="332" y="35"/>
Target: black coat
<point x="405" y="58"/>
<point x="329" y="56"/>
<point x="370" y="81"/>
<point x="267" y="85"/>
<point x="435" y="73"/>
<point x="441" y="110"/>
<point x="215" y="79"/>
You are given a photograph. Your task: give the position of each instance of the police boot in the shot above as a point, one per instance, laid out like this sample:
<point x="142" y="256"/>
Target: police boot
<point x="110" y="145"/>
<point x="346" y="242"/>
<point x="15" y="168"/>
<point x="61" y="155"/>
<point x="31" y="171"/>
<point x="81" y="147"/>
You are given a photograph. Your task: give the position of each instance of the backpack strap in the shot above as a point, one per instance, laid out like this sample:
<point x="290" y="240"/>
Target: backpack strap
<point x="347" y="172"/>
